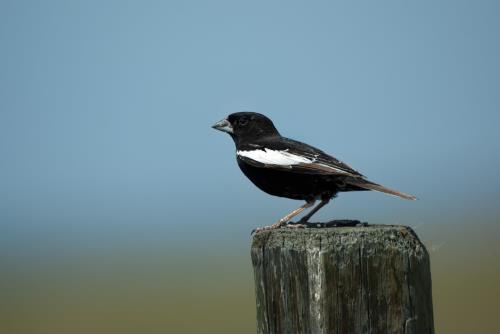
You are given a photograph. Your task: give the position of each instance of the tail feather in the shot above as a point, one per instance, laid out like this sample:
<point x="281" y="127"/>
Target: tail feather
<point x="365" y="184"/>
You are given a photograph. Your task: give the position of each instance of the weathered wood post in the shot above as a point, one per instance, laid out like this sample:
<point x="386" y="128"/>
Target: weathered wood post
<point x="369" y="279"/>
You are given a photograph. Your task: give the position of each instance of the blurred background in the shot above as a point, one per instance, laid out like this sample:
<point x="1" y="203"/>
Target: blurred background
<point x="122" y="211"/>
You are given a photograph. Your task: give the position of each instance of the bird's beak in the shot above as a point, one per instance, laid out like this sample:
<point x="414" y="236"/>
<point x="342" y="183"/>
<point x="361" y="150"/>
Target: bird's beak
<point x="223" y="126"/>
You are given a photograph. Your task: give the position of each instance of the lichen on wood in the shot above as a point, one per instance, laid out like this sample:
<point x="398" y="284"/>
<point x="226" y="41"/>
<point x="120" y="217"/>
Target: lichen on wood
<point x="368" y="279"/>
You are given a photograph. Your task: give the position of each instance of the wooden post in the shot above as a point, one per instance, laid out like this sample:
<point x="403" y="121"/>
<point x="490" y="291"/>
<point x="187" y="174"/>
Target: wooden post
<point x="369" y="279"/>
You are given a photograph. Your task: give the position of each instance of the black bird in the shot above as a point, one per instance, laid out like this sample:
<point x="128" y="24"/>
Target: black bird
<point x="288" y="168"/>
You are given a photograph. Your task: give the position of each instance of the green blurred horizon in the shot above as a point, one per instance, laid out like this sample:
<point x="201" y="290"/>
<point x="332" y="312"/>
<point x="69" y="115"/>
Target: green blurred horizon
<point x="211" y="291"/>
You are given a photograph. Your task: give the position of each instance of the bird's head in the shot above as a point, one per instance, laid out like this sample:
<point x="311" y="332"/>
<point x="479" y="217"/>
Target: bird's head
<point x="246" y="126"/>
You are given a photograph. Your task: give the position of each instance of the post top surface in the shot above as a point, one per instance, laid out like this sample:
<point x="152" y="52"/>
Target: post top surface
<point x="396" y="237"/>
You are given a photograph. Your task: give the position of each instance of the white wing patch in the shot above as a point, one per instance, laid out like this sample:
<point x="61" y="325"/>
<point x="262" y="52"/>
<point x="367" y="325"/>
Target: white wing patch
<point x="271" y="157"/>
<point x="285" y="159"/>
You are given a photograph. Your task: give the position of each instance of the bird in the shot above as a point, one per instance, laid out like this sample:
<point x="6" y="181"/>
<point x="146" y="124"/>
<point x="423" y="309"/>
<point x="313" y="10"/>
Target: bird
<point x="288" y="168"/>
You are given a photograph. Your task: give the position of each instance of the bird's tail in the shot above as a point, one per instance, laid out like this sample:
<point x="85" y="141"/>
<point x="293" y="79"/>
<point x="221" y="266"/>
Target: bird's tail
<point x="365" y="184"/>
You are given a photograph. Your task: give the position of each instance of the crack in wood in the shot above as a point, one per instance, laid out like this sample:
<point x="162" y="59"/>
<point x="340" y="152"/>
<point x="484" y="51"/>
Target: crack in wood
<point x="366" y="279"/>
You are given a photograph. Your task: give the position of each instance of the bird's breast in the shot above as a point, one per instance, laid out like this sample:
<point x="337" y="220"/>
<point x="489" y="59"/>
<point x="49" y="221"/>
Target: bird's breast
<point x="288" y="184"/>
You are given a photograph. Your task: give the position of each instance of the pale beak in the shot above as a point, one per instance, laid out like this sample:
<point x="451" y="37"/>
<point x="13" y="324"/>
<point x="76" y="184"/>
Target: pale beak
<point x="223" y="126"/>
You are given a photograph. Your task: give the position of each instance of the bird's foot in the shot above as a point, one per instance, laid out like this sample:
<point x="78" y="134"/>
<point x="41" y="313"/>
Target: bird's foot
<point x="274" y="226"/>
<point x="302" y="223"/>
<point x="264" y="228"/>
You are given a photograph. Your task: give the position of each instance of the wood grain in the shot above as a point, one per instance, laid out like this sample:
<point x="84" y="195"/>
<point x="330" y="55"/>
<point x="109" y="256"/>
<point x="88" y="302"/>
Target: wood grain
<point x="368" y="279"/>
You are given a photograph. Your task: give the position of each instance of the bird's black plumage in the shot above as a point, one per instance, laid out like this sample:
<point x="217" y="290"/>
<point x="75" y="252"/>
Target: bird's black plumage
<point x="288" y="168"/>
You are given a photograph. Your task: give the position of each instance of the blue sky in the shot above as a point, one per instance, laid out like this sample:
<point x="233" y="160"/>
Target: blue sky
<point x="106" y="108"/>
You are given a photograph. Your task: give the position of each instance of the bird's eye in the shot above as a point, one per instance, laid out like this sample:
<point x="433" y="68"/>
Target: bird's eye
<point x="243" y="121"/>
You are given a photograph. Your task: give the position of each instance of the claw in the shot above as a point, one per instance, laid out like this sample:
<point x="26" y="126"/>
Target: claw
<point x="269" y="227"/>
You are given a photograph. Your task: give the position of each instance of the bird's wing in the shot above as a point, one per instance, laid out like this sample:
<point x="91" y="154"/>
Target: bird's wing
<point x="290" y="155"/>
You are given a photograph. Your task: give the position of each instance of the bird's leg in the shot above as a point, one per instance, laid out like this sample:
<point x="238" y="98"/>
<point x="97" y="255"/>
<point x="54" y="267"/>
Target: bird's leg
<point x="306" y="218"/>
<point x="285" y="219"/>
